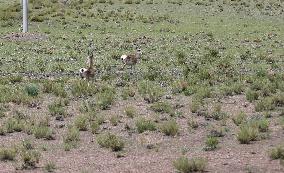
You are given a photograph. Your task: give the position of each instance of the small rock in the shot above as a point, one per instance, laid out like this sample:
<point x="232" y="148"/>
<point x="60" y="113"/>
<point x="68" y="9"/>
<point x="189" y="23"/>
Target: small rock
<point x="59" y="118"/>
<point x="150" y="146"/>
<point x="168" y="97"/>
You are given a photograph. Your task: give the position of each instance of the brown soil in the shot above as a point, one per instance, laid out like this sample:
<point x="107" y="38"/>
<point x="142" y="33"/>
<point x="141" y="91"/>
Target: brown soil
<point x="231" y="156"/>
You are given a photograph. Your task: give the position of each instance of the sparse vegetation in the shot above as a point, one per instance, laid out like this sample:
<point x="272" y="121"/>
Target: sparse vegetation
<point x="203" y="64"/>
<point x="277" y="153"/>
<point x="162" y="107"/>
<point x="50" y="167"/>
<point x="30" y="158"/>
<point x="130" y="111"/>
<point x="185" y="165"/>
<point x="7" y="153"/>
<point x="71" y="138"/>
<point x="110" y="141"/>
<point x="211" y="143"/>
<point x="81" y="122"/>
<point x="170" y="128"/>
<point x="240" y="118"/>
<point x="248" y="133"/>
<point x="145" y="125"/>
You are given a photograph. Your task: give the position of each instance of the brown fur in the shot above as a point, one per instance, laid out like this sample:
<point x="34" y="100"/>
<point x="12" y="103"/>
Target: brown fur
<point x="90" y="73"/>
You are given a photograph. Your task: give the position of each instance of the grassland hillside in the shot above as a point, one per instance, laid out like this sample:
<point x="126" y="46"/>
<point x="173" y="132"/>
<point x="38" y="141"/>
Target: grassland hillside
<point x="207" y="93"/>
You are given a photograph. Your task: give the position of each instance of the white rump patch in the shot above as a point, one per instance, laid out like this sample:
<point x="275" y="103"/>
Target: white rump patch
<point x="82" y="70"/>
<point x="123" y="57"/>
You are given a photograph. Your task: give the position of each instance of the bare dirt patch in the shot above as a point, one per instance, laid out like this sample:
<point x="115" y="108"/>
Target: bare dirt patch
<point x="25" y="37"/>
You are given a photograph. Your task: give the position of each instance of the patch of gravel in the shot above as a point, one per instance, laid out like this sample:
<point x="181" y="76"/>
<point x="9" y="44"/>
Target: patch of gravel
<point x="25" y="37"/>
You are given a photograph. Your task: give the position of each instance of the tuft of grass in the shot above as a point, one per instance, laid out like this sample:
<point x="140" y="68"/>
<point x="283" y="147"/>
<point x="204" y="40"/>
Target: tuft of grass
<point x="277" y="152"/>
<point x="32" y="90"/>
<point x="247" y="134"/>
<point x="82" y="88"/>
<point x="240" y="118"/>
<point x="27" y="144"/>
<point x="40" y="131"/>
<point x="211" y="143"/>
<point x="95" y="126"/>
<point x="218" y="114"/>
<point x="217" y="131"/>
<point x="105" y="98"/>
<point x="130" y="111"/>
<point x="50" y="167"/>
<point x="114" y="119"/>
<point x="14" y="125"/>
<point x="30" y="158"/>
<point x="150" y="91"/>
<point x="184" y="165"/>
<point x="7" y="154"/>
<point x="71" y="138"/>
<point x="81" y="122"/>
<point x="111" y="141"/>
<point x="251" y="95"/>
<point x="145" y="125"/>
<point x="128" y="92"/>
<point x="195" y="105"/>
<point x="55" y="88"/>
<point x="162" y="107"/>
<point x="192" y="123"/>
<point x="265" y="104"/>
<point x="263" y="125"/>
<point x="170" y="128"/>
<point x="57" y="108"/>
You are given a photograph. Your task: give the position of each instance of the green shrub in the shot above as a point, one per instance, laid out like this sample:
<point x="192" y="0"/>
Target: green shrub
<point x="110" y="141"/>
<point x="263" y="125"/>
<point x="195" y="106"/>
<point x="27" y="145"/>
<point x="217" y="114"/>
<point x="114" y="120"/>
<point x="105" y="98"/>
<point x="57" y="108"/>
<point x="184" y="165"/>
<point x="81" y="122"/>
<point x="150" y="91"/>
<point x="95" y="126"/>
<point x="41" y="131"/>
<point x="277" y="153"/>
<point x="32" y="90"/>
<point x="240" y="118"/>
<point x="7" y="154"/>
<point x="211" y="143"/>
<point x="247" y="133"/>
<point x="264" y="104"/>
<point x="50" y="167"/>
<point x="83" y="88"/>
<point x="130" y="111"/>
<point x="144" y="125"/>
<point x="251" y="95"/>
<point x="13" y="125"/>
<point x="170" y="128"/>
<point x="162" y="107"/>
<point x="192" y="123"/>
<point x="30" y="158"/>
<point x="216" y="131"/>
<point x="71" y="138"/>
<point x="55" y="88"/>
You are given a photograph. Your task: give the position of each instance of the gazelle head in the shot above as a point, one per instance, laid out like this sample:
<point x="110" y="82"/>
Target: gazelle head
<point x="138" y="52"/>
